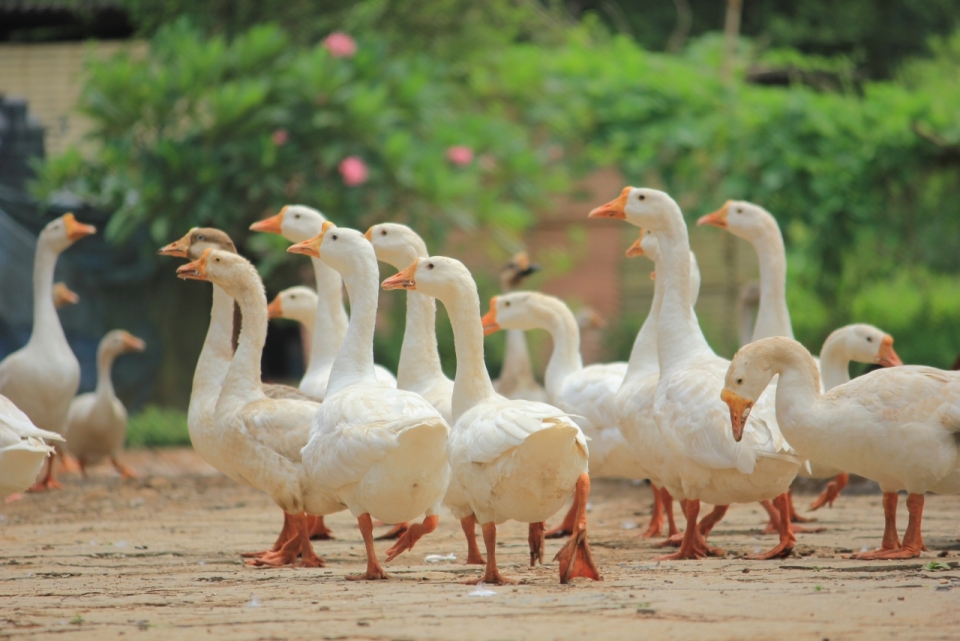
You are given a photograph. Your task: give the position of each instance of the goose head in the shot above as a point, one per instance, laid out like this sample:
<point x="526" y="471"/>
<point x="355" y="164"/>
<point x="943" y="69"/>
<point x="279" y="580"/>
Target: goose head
<point x="588" y="318"/>
<point x="341" y="248"/>
<point x="119" y="341"/>
<point x="641" y="207"/>
<point x="198" y="240"/>
<point x="396" y="244"/>
<point x="516" y="271"/>
<point x="296" y="223"/>
<point x="63" y="295"/>
<point x="510" y="311"/>
<point x="62" y="232"/>
<point x="864" y="344"/>
<point x="295" y="303"/>
<point x="743" y="219"/>
<point x="438" y="276"/>
<point x="231" y="272"/>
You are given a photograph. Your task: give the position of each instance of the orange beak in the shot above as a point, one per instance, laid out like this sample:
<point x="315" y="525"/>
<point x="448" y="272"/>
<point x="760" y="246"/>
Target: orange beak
<point x="197" y="270"/>
<point x="63" y="295"/>
<point x="614" y="208"/>
<point x="75" y="230"/>
<point x="133" y="344"/>
<point x="310" y="247"/>
<point x="403" y="280"/>
<point x="653" y="275"/>
<point x="272" y="225"/>
<point x="489" y="320"/>
<point x="887" y="357"/>
<point x="635" y="249"/>
<point x="177" y="248"/>
<point x="717" y="218"/>
<point x="369" y="233"/>
<point x="275" y="308"/>
<point x="739" y="411"/>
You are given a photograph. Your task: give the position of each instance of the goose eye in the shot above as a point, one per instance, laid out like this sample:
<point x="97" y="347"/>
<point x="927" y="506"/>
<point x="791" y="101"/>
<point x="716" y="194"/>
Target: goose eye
<point x="507" y="304"/>
<point x="383" y="232"/>
<point x="297" y="216"/>
<point x="739" y="211"/>
<point x="216" y="260"/>
<point x="334" y="237"/>
<point x="739" y="381"/>
<point x="200" y="237"/>
<point x="641" y="197"/>
<point x="293" y="296"/>
<point x="869" y="339"/>
<point x="429" y="265"/>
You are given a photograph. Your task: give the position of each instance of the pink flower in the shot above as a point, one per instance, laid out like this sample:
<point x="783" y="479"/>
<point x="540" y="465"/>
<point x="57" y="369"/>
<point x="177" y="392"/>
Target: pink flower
<point x="354" y="171"/>
<point x="280" y="137"/>
<point x="340" y="45"/>
<point x="460" y="155"/>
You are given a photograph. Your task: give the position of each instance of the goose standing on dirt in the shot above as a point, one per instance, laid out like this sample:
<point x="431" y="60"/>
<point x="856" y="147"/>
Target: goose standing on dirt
<point x="705" y="462"/>
<point x="511" y="459"/>
<point x="899" y="426"/>
<point x="380" y="450"/>
<point x="298" y="224"/>
<point x="42" y="377"/>
<point x="97" y="421"/>
<point x="23" y="449"/>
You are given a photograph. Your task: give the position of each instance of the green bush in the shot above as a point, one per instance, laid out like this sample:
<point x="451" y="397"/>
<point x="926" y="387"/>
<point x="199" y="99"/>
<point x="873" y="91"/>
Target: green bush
<point x="158" y="427"/>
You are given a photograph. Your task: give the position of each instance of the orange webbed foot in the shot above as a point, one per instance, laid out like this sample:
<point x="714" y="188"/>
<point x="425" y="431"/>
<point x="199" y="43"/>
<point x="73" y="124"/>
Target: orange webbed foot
<point x="670" y="542"/>
<point x="492" y="578"/>
<point x="372" y="574"/>
<point x="414" y="532"/>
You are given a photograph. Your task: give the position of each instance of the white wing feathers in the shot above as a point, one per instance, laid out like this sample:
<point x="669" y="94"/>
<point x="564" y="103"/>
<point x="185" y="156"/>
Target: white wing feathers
<point x="493" y="435"/>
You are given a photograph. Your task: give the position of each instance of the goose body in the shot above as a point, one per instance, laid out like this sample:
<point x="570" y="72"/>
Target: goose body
<point x="380" y="450"/>
<point x="510" y="459"/>
<point x="97" y="421"/>
<point x="43" y="376"/>
<point x="297" y="224"/>
<point x="23" y="449"/>
<point x="704" y="463"/>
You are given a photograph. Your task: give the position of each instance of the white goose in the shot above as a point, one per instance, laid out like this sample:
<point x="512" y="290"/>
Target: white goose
<point x="634" y="401"/>
<point x="516" y="374"/>
<point x="214" y="361"/>
<point x="419" y="369"/>
<point x="899" y="426"/>
<point x="43" y="376"/>
<point x="298" y="223"/>
<point x="97" y="421"/>
<point x="705" y="463"/>
<point x="380" y="450"/>
<point x="298" y="303"/>
<point x="511" y="460"/>
<point x="587" y="393"/>
<point x="260" y="438"/>
<point x="758" y="226"/>
<point x="22" y="450"/>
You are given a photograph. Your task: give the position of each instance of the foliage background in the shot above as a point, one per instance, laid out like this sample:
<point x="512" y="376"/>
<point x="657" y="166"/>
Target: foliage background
<point x="855" y="148"/>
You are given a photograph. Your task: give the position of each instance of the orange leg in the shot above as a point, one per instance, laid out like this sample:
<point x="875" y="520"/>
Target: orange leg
<point x="566" y="527"/>
<point x="469" y="526"/>
<point x="374" y="571"/>
<point x="831" y="492"/>
<point x="318" y="529"/>
<point x="297" y="544"/>
<point x="787" y="539"/>
<point x="912" y="539"/>
<point x="395" y="532"/>
<point x="125" y="472"/>
<point x="656" y="518"/>
<point x="773" y="523"/>
<point x="491" y="575"/>
<point x="668" y="509"/>
<point x="689" y="544"/>
<point x="535" y="537"/>
<point x="47" y="482"/>
<point x="285" y="534"/>
<point x="68" y="463"/>
<point x="708" y="522"/>
<point x="414" y="533"/>
<point x="574" y="557"/>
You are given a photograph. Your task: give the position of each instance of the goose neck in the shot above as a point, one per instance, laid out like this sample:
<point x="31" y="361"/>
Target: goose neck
<point x="243" y="377"/>
<point x="773" y="317"/>
<point x="834" y="363"/>
<point x="105" y="359"/>
<point x="558" y="320"/>
<point x="47" y="330"/>
<point x="419" y="356"/>
<point x="643" y="357"/>
<point x="330" y="322"/>
<point x="354" y="360"/>
<point x="799" y="401"/>
<point x="472" y="383"/>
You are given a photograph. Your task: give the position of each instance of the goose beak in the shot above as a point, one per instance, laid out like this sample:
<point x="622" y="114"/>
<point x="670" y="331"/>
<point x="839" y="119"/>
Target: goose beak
<point x="63" y="295"/>
<point x="653" y="275"/>
<point x="133" y="344"/>
<point x="403" y="280"/>
<point x="489" y="320"/>
<point x="717" y="218"/>
<point x="739" y="411"/>
<point x="613" y="209"/>
<point x="311" y="247"/>
<point x="275" y="308"/>
<point x="887" y="357"/>
<point x="369" y="233"/>
<point x="272" y="225"/>
<point x="177" y="248"/>
<point x="635" y="249"/>
<point x="197" y="270"/>
<point x="75" y="230"/>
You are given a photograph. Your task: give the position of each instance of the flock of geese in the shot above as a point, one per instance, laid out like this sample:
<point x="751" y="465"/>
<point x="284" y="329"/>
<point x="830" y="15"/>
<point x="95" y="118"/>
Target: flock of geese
<point x="354" y="437"/>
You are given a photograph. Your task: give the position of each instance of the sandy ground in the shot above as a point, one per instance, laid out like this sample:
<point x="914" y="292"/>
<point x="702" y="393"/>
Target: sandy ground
<point x="158" y="558"/>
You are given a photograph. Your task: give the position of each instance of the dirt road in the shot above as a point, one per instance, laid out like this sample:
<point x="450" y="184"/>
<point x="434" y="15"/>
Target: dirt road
<point x="157" y="558"/>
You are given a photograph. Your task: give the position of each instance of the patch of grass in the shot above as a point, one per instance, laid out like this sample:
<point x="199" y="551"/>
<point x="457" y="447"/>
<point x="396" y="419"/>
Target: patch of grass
<point x="818" y="588"/>
<point x="935" y="566"/>
<point x="158" y="427"/>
